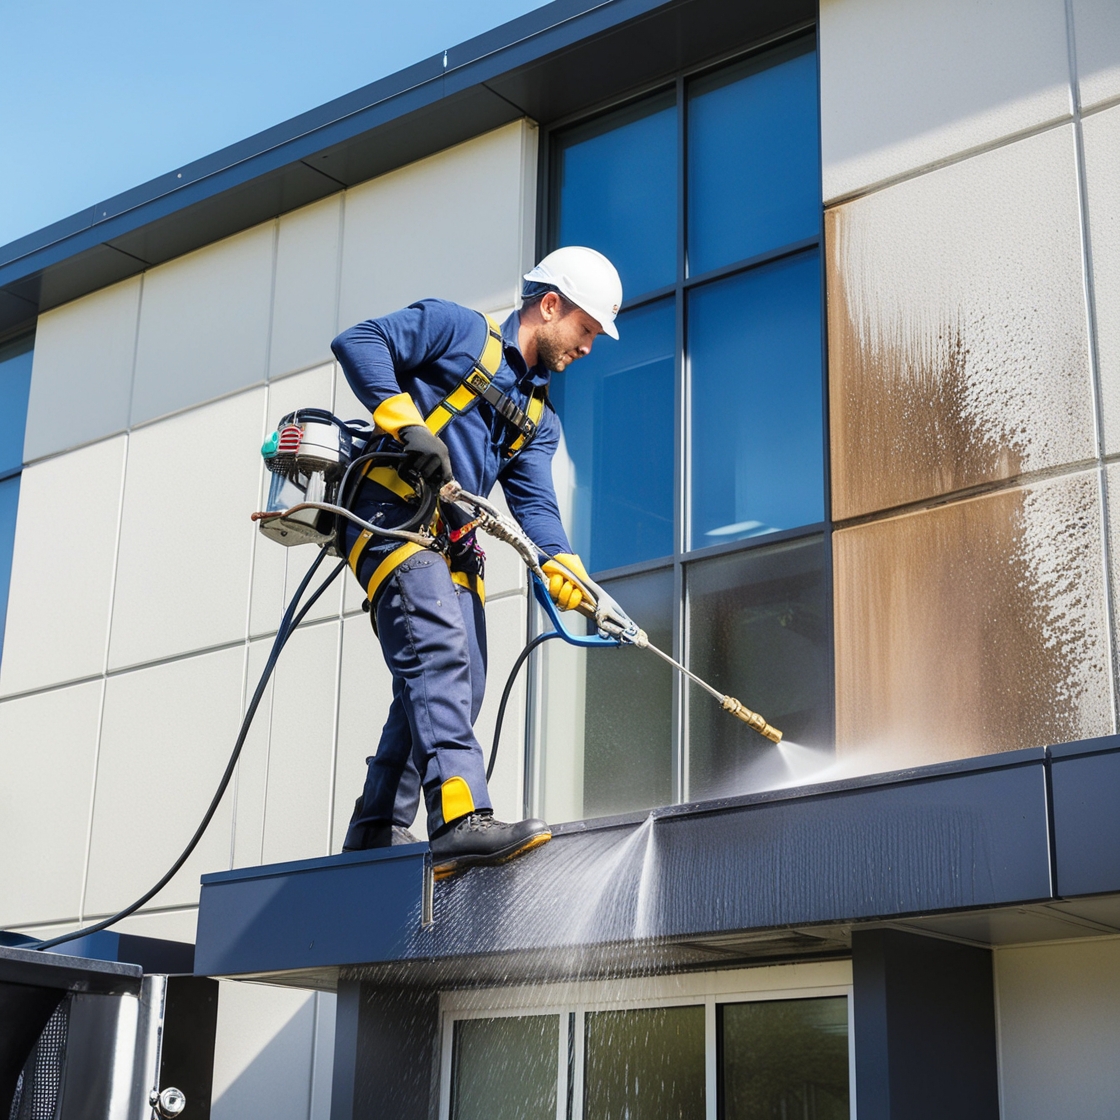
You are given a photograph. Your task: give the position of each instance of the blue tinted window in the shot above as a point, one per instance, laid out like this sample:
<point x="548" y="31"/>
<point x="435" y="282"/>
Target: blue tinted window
<point x="754" y="162"/>
<point x="617" y="409"/>
<point x="755" y="361"/>
<point x="15" y="384"/>
<point x="9" y="499"/>
<point x="616" y="191"/>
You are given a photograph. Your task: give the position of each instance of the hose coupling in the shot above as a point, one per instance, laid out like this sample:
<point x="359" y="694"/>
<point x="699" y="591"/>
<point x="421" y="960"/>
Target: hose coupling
<point x="752" y="719"/>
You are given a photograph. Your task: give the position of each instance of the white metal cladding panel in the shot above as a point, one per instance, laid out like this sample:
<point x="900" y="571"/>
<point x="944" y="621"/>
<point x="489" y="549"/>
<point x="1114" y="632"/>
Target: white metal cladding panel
<point x="1102" y="179"/>
<point x="507" y="631"/>
<point x="1097" y="32"/>
<point x="248" y="793"/>
<point x="263" y="1052"/>
<point x="305" y="303"/>
<point x="62" y="568"/>
<point x="167" y="731"/>
<point x="81" y="379"/>
<point x="449" y="225"/>
<point x="277" y="570"/>
<point x="1059" y="1019"/>
<point x="186" y="539"/>
<point x="365" y="692"/>
<point x="204" y="324"/>
<point x="301" y="741"/>
<point x="963" y="285"/>
<point x="48" y="743"/>
<point x="905" y="83"/>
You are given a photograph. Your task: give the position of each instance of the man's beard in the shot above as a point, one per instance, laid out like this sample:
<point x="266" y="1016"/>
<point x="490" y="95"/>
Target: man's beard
<point x="550" y="353"/>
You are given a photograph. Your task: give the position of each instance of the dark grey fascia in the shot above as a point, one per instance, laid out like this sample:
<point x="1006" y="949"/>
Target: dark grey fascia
<point x="690" y="886"/>
<point x="561" y="59"/>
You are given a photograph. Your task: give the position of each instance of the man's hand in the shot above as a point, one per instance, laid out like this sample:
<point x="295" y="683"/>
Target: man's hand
<point x="564" y="593"/>
<point x="426" y="454"/>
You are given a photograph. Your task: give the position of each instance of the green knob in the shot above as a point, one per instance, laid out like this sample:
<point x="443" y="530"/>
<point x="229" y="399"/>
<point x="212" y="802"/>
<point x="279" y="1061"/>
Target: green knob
<point x="271" y="445"/>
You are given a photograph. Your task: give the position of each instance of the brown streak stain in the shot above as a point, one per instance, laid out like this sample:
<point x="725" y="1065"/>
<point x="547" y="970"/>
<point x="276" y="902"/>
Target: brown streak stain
<point x="902" y="426"/>
<point x="973" y="628"/>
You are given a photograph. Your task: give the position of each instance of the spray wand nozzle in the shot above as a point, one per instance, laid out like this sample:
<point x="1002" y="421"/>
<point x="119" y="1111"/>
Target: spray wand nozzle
<point x="611" y="620"/>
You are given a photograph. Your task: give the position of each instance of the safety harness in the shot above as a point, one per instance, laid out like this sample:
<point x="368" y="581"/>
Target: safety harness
<point x="457" y="542"/>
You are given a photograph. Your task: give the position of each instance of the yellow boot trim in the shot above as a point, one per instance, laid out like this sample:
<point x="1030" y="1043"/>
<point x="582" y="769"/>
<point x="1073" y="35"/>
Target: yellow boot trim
<point x="389" y="565"/>
<point x="395" y="413"/>
<point x="457" y="800"/>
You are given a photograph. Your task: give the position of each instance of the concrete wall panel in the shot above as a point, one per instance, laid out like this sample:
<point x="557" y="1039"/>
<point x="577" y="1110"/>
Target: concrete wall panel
<point x="365" y="695"/>
<point x="48" y="743"/>
<point x="186" y="539"/>
<point x="263" y="1052"/>
<point x="305" y="303"/>
<point x="449" y="226"/>
<point x="62" y="568"/>
<point x="905" y="83"/>
<point x="958" y="341"/>
<point x="1097" y="32"/>
<point x="1102" y="181"/>
<point x="973" y="627"/>
<point x="166" y="735"/>
<point x="204" y="324"/>
<point x="507" y="631"/>
<point x="81" y="379"/>
<point x="1059" y="1019"/>
<point x="301" y="747"/>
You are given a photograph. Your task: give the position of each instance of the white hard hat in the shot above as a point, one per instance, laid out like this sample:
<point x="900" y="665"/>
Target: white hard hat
<point x="585" y="277"/>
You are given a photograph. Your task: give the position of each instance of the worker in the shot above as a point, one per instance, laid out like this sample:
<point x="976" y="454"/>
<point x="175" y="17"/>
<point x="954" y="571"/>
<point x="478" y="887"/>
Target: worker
<point x="462" y="398"/>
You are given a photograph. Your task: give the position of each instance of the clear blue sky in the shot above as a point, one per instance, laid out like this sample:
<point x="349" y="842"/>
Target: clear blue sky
<point x="99" y="97"/>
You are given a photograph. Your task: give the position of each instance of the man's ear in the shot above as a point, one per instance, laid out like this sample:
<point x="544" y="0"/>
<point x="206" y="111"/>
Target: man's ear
<point x="551" y="306"/>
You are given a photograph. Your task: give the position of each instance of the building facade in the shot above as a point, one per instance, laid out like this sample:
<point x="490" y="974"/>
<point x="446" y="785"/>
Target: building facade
<point x="853" y="459"/>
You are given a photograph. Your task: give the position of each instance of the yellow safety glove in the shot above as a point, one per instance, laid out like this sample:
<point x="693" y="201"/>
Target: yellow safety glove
<point x="565" y="594"/>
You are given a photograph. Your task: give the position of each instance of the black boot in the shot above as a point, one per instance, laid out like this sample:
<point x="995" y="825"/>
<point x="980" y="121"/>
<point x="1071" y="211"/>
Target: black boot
<point x="478" y="839"/>
<point x="379" y="834"/>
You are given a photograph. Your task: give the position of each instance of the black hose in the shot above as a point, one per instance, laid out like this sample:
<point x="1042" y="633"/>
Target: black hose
<point x="521" y="657"/>
<point x="288" y="624"/>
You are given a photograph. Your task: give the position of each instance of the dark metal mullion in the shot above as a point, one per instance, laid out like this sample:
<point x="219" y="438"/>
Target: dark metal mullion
<point x="826" y="460"/>
<point x="764" y="540"/>
<point x="765" y="257"/>
<point x="681" y="474"/>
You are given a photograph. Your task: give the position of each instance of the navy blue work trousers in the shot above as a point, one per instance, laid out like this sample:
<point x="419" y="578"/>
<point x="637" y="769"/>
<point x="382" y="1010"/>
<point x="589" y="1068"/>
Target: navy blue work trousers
<point x="433" y="637"/>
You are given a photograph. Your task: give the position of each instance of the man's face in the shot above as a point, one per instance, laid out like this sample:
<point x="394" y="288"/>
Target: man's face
<point x="566" y="334"/>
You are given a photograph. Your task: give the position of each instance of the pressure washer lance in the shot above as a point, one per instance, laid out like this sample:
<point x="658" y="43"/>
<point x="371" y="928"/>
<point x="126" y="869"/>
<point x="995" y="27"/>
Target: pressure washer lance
<point x="609" y="617"/>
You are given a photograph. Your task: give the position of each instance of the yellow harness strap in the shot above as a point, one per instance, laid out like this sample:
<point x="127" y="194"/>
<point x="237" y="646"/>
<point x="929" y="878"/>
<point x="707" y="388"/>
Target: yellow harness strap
<point x="459" y="400"/>
<point x="474" y="384"/>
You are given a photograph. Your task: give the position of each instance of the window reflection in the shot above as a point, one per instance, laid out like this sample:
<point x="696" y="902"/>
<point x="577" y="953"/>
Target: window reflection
<point x="615" y="189"/>
<point x="505" y="1069"/>
<point x="615" y="469"/>
<point x="757" y="439"/>
<point x="607" y="726"/>
<point x="785" y="1058"/>
<point x="758" y="629"/>
<point x="646" y="1064"/>
<point x="754" y="164"/>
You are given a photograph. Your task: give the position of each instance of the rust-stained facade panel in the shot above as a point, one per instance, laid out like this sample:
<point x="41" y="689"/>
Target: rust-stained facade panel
<point x="974" y="627"/>
<point x="958" y="349"/>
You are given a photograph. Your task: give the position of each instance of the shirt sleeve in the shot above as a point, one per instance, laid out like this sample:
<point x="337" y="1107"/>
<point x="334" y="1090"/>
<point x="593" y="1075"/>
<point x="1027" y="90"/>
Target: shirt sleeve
<point x="530" y="494"/>
<point x="374" y="353"/>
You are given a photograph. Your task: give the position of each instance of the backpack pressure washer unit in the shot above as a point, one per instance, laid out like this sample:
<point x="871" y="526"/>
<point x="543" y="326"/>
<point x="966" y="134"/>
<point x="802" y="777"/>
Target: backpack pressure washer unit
<point x="316" y="461"/>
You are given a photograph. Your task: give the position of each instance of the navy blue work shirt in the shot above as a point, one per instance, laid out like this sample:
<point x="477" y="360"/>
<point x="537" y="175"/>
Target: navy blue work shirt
<point x="425" y="351"/>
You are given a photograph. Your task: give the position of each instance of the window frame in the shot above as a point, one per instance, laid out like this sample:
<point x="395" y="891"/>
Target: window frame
<point x="682" y="557"/>
<point x="766" y="983"/>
